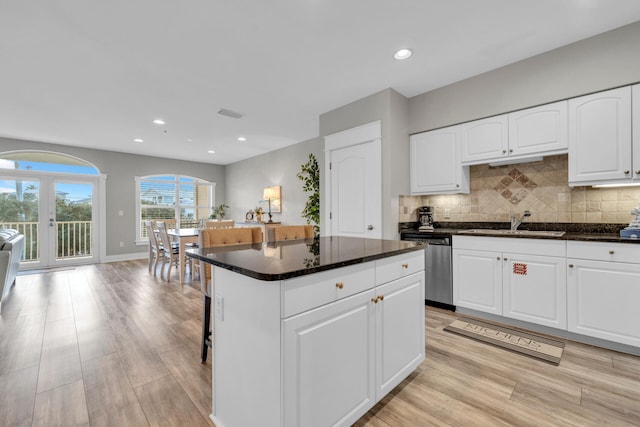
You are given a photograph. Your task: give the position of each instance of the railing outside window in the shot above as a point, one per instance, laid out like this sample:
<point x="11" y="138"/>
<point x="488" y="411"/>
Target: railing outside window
<point x="73" y="238"/>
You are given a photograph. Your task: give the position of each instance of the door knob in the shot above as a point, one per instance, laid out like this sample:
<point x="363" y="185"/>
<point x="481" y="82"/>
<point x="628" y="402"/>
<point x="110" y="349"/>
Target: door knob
<point x="370" y="227"/>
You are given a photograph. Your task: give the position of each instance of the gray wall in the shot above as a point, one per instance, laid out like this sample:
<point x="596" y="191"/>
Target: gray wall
<point x="601" y="62"/>
<point x="120" y="169"/>
<point x="246" y="179"/>
<point x="393" y="110"/>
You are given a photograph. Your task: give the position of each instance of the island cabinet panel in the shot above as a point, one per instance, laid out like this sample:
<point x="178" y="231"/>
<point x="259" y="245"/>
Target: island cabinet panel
<point x="400" y="343"/>
<point x="306" y="292"/>
<point x="329" y="363"/>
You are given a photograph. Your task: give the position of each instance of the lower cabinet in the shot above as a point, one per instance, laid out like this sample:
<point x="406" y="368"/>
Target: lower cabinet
<point x="329" y="363"/>
<point x="341" y="358"/>
<point x="477" y="280"/>
<point x="603" y="299"/>
<point x="534" y="289"/>
<point x="522" y="283"/>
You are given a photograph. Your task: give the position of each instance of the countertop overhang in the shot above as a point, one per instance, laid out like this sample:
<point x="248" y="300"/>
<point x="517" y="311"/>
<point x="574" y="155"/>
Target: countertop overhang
<point x="292" y="258"/>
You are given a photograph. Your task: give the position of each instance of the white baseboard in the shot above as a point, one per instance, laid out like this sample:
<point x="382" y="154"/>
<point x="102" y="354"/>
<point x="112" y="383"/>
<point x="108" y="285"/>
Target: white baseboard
<point x="125" y="257"/>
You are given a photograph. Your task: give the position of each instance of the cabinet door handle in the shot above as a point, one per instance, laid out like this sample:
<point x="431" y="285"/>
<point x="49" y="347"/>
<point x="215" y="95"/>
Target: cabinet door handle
<point x="570" y="265"/>
<point x="611" y="252"/>
<point x="339" y="285"/>
<point x="504" y="151"/>
<point x="505" y="259"/>
<point x="626" y="172"/>
<point x="498" y="258"/>
<point x="374" y="300"/>
<point x="405" y="265"/>
<point x="511" y="150"/>
<point x="638" y="172"/>
<point x="381" y="297"/>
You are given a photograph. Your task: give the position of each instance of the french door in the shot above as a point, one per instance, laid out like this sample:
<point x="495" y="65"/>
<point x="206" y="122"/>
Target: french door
<point x="56" y="214"/>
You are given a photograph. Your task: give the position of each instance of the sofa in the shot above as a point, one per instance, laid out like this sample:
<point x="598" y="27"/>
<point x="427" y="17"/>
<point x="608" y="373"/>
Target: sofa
<point x="11" y="247"/>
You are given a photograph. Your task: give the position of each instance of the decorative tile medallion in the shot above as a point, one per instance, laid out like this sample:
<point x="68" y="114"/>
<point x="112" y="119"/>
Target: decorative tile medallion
<point x="515" y="186"/>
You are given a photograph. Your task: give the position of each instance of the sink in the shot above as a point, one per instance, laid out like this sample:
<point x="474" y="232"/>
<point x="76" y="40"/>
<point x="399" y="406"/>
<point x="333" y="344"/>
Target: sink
<point x="540" y="233"/>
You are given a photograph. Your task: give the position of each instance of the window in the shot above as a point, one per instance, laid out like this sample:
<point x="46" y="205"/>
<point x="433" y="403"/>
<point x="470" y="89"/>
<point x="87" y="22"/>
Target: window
<point x="46" y="161"/>
<point x="183" y="198"/>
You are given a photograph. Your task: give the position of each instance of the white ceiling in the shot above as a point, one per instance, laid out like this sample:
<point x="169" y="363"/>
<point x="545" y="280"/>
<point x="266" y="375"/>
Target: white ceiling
<point x="96" y="73"/>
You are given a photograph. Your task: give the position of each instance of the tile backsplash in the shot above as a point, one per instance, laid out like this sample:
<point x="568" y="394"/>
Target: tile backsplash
<point x="540" y="187"/>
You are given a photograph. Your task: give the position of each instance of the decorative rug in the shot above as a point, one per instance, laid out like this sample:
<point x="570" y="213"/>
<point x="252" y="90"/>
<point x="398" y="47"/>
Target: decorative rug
<point x="535" y="346"/>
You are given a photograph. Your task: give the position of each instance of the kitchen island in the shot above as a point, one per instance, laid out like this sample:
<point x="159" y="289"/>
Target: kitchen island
<point x="312" y="332"/>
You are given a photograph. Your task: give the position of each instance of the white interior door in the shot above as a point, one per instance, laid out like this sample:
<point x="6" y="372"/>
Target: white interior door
<point x="355" y="182"/>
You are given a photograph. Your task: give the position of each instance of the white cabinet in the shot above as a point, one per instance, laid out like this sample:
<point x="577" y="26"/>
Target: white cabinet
<point x="600" y="138"/>
<point x="484" y="140"/>
<point x="635" y="96"/>
<point x="518" y="136"/>
<point x="400" y="343"/>
<point x="541" y="130"/>
<point x="603" y="282"/>
<point x="519" y="278"/>
<point x="477" y="280"/>
<point x="342" y="357"/>
<point x="329" y="363"/>
<point x="534" y="289"/>
<point x="435" y="166"/>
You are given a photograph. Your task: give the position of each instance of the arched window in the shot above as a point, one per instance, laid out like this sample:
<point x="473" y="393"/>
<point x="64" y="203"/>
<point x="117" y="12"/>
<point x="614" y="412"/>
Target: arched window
<point x="46" y="161"/>
<point x="183" y="198"/>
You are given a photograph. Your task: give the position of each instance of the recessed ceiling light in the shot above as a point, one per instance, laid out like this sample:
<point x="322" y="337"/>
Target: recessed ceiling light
<point x="159" y="121"/>
<point x="138" y="140"/>
<point x="211" y="152"/>
<point x="403" y="54"/>
<point x="242" y="138"/>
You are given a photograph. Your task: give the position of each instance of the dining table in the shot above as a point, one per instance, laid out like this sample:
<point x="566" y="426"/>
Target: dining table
<point x="183" y="236"/>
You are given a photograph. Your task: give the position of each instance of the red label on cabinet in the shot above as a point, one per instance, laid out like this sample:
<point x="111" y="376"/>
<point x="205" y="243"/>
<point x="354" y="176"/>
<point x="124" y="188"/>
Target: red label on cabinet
<point x="519" y="268"/>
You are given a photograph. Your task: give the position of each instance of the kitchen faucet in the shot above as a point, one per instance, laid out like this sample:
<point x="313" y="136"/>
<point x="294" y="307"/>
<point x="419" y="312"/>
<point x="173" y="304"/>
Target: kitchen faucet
<point x="515" y="223"/>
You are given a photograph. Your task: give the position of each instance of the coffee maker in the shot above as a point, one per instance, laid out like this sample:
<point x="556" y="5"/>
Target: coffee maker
<point x="425" y="216"/>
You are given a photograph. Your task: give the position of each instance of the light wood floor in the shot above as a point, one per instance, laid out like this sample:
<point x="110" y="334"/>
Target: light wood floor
<point x="110" y="345"/>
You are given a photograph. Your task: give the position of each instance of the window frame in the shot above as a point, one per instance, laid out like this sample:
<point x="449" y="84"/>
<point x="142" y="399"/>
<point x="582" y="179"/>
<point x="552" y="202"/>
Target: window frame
<point x="177" y="206"/>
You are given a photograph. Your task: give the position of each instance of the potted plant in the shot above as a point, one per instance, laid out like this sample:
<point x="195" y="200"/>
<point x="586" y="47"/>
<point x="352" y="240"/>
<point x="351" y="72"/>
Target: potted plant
<point x="310" y="176"/>
<point x="218" y="211"/>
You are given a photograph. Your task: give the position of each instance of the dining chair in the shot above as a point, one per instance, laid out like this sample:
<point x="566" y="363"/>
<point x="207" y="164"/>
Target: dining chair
<point x="215" y="237"/>
<point x="220" y="224"/>
<point x="292" y="232"/>
<point x="170" y="251"/>
<point x="155" y="249"/>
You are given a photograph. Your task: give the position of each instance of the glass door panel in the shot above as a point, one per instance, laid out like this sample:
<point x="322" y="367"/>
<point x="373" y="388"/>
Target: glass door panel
<point x="71" y="221"/>
<point x="20" y="210"/>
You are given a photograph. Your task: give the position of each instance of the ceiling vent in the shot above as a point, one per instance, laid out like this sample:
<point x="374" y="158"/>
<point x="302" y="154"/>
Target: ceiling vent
<point x="230" y="113"/>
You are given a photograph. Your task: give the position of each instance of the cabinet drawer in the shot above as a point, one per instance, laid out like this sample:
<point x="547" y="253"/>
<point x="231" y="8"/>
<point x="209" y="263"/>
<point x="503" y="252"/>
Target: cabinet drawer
<point x="597" y="251"/>
<point x="398" y="266"/>
<point x="307" y="292"/>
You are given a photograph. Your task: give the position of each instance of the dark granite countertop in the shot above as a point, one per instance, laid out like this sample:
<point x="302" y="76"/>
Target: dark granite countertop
<point x="292" y="258"/>
<point x="573" y="231"/>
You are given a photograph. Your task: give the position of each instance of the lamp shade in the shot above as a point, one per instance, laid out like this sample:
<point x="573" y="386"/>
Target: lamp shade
<point x="269" y="193"/>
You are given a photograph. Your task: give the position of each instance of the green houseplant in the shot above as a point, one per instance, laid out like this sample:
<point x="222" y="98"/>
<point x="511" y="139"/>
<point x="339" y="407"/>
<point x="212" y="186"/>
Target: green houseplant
<point x="310" y="176"/>
<point x="218" y="211"/>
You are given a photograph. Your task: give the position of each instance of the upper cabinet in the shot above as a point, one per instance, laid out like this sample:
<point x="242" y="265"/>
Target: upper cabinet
<point x="600" y="144"/>
<point x="540" y="131"/>
<point x="516" y="136"/>
<point x="435" y="163"/>
<point x="485" y="140"/>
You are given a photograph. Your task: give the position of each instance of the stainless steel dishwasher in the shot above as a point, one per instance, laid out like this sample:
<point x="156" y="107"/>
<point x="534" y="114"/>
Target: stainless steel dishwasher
<point x="438" y="270"/>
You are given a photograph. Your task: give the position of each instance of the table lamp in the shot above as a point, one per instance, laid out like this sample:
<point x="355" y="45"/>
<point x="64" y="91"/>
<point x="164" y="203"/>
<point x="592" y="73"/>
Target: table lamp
<point x="268" y="194"/>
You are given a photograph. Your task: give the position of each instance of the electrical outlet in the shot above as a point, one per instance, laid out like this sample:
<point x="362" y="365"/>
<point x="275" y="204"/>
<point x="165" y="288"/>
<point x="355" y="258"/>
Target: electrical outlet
<point x="122" y="244"/>
<point x="219" y="307"/>
<point x="447" y="213"/>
